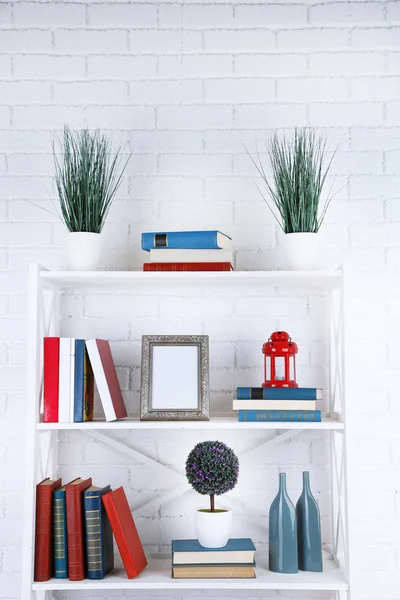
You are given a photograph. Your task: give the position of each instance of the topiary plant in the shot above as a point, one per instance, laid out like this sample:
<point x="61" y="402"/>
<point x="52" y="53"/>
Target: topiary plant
<point x="212" y="468"/>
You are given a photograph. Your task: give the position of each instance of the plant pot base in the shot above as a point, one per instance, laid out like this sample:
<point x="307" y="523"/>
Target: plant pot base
<point x="84" y="251"/>
<point x="301" y="251"/>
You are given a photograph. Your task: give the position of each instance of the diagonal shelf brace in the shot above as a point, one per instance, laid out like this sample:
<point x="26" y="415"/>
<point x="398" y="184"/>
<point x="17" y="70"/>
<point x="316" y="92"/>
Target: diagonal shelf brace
<point x="163" y="499"/>
<point x="270" y="442"/>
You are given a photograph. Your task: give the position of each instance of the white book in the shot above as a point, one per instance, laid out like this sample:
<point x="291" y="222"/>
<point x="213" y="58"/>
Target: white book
<point x="64" y="392"/>
<point x="72" y="380"/>
<point x="166" y="255"/>
<point x="274" y="405"/>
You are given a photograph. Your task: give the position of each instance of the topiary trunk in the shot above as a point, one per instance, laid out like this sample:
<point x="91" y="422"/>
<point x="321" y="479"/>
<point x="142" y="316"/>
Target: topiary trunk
<point x="212" y="503"/>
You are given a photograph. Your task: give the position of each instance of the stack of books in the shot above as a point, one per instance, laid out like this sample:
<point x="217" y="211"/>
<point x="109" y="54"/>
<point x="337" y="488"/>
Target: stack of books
<point x="74" y="531"/>
<point x="70" y="367"/>
<point x="277" y="404"/>
<point x="187" y="251"/>
<point x="192" y="561"/>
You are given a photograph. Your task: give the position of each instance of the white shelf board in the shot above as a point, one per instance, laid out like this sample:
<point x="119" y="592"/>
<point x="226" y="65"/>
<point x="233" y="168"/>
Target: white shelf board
<point x="228" y="422"/>
<point x="301" y="279"/>
<point x="157" y="576"/>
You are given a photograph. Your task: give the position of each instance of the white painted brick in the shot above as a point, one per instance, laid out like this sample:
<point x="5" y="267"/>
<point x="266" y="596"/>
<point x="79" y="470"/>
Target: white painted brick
<point x="271" y="64"/>
<point x="5" y="116"/>
<point x="194" y="117"/>
<point x="375" y="138"/>
<point x="375" y="38"/>
<point x="25" y="40"/>
<point x="392" y="210"/>
<point x="122" y="15"/>
<point x="169" y="15"/>
<point x="393" y="111"/>
<point x="367" y="186"/>
<point x="5" y="67"/>
<point x="210" y="214"/>
<point x="121" y="305"/>
<point x="85" y="41"/>
<point x="17" y="92"/>
<point x="137" y="117"/>
<point x="200" y="65"/>
<point x="301" y="40"/>
<point x="5" y="16"/>
<point x="18" y="141"/>
<point x="393" y="62"/>
<point x="181" y="141"/>
<point x="30" y="164"/>
<point x="25" y="187"/>
<point x="239" y="90"/>
<point x="48" y="67"/>
<point x="192" y="41"/>
<point x="211" y="16"/>
<point x="312" y="90"/>
<point x="91" y="92"/>
<point x="49" y="117"/>
<point x="237" y="41"/>
<point x="265" y="15"/>
<point x="214" y="307"/>
<point x="392" y="161"/>
<point x="154" y="42"/>
<point x="347" y="63"/>
<point x="382" y="88"/>
<point x="172" y="92"/>
<point x="346" y="114"/>
<point x="273" y="115"/>
<point x="127" y="68"/>
<point x="12" y="559"/>
<point x="346" y="12"/>
<point x="32" y="14"/>
<point x="194" y="165"/>
<point x="12" y="583"/>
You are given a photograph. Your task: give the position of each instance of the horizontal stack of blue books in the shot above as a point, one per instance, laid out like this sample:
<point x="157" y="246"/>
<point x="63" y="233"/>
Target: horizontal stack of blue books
<point x="190" y="560"/>
<point x="277" y="404"/>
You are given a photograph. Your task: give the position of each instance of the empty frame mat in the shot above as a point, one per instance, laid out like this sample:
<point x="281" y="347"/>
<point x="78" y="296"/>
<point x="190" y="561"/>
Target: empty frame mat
<point x="175" y="377"/>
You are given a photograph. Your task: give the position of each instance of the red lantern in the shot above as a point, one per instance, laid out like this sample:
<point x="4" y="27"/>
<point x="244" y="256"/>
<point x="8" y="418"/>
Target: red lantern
<point x="279" y="361"/>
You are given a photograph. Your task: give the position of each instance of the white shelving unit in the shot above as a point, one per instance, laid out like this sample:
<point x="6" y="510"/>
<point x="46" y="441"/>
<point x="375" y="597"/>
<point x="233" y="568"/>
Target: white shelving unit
<point x="44" y="293"/>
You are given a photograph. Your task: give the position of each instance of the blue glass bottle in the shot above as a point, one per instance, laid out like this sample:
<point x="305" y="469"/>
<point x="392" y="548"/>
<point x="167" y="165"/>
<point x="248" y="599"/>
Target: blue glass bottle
<point x="282" y="532"/>
<point x="308" y="529"/>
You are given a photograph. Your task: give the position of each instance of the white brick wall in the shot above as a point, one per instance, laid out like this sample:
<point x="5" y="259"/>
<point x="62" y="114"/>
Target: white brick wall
<point x="188" y="86"/>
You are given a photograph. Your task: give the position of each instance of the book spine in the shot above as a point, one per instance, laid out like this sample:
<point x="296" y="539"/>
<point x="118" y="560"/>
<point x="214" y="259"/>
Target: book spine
<point x="120" y="537"/>
<point x="72" y="381"/>
<point x="43" y="562"/>
<point x="65" y="380"/>
<point x="88" y="389"/>
<point x="274" y="405"/>
<point x="259" y="393"/>
<point x="60" y="546"/>
<point x="218" y="266"/>
<point x="94" y="534"/>
<point x="185" y="255"/>
<point x="76" y="554"/>
<point x="280" y="415"/>
<point x="180" y="239"/>
<point x="51" y="360"/>
<point x="79" y="380"/>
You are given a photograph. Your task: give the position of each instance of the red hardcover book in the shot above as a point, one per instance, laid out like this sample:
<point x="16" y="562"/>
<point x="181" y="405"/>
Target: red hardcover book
<point x="125" y="532"/>
<point x="43" y="533"/>
<point x="76" y="547"/>
<point x="204" y="266"/>
<point x="51" y="365"/>
<point x="106" y="379"/>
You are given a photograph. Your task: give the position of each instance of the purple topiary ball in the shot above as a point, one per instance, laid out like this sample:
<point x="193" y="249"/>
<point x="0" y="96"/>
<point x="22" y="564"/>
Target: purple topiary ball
<point x="212" y="468"/>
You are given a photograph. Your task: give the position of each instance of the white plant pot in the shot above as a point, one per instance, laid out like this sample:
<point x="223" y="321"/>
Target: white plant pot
<point x="301" y="251"/>
<point x="213" y="528"/>
<point x="84" y="250"/>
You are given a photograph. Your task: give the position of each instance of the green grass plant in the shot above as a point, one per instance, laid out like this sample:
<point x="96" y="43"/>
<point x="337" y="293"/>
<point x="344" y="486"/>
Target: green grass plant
<point x="298" y="178"/>
<point x="87" y="178"/>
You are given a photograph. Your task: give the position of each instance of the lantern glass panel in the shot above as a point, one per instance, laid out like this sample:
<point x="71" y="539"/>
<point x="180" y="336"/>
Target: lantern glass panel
<point x="292" y="374"/>
<point x="267" y="368"/>
<point x="279" y="367"/>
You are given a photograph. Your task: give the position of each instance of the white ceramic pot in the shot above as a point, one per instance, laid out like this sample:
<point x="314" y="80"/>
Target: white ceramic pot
<point x="213" y="528"/>
<point x="301" y="251"/>
<point x="84" y="250"/>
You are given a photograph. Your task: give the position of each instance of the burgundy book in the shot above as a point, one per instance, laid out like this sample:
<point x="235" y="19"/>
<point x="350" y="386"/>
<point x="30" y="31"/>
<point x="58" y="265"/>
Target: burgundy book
<point x="43" y="530"/>
<point x="51" y="360"/>
<point x="76" y="546"/>
<point x="196" y="266"/>
<point x="125" y="532"/>
<point x="106" y="379"/>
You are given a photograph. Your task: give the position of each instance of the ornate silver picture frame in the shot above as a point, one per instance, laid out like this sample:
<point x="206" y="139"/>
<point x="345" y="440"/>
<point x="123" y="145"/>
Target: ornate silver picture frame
<point x="175" y="378"/>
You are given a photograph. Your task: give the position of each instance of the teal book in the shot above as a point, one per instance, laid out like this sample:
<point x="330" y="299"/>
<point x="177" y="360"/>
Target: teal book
<point x="190" y="552"/>
<point x="280" y="415"/>
<point x="60" y="545"/>
<point x="268" y="393"/>
<point x="98" y="533"/>
<point x="192" y="240"/>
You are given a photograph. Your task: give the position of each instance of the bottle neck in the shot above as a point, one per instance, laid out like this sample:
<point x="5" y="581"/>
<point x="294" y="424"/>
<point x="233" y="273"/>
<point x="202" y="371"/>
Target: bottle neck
<point x="282" y="483"/>
<point x="306" y="481"/>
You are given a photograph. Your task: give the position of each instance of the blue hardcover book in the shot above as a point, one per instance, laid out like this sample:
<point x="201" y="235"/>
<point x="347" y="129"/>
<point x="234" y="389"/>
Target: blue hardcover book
<point x="236" y="551"/>
<point x="79" y="380"/>
<point x="98" y="534"/>
<point x="280" y="415"/>
<point x="260" y="393"/>
<point x="191" y="240"/>
<point x="60" y="545"/>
